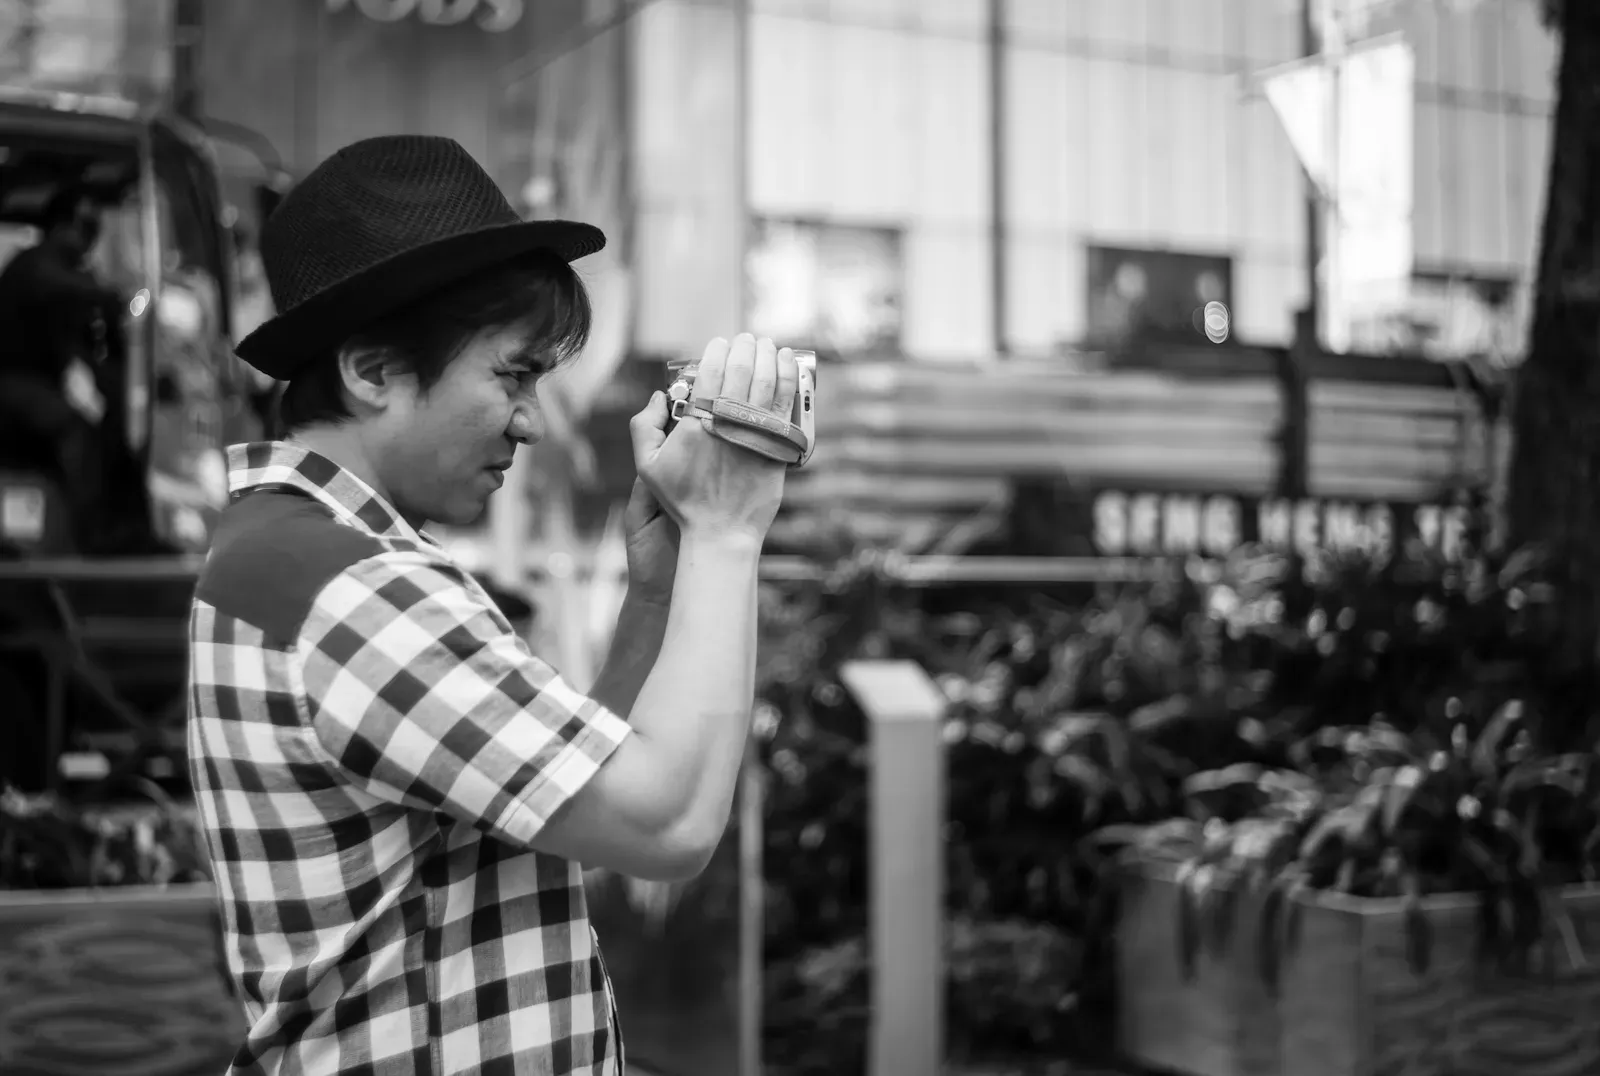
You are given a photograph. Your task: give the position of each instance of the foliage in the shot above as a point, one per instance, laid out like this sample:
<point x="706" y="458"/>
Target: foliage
<point x="1381" y="727"/>
<point x="1389" y="816"/>
<point x="45" y="843"/>
<point x="1409" y="639"/>
<point x="1428" y="745"/>
<point x="1064" y="716"/>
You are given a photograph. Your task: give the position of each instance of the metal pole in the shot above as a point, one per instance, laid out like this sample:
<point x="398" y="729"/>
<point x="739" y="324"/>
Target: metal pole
<point x="1334" y="300"/>
<point x="1309" y="47"/>
<point x="997" y="175"/>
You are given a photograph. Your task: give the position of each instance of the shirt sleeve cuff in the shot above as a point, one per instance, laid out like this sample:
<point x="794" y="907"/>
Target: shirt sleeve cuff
<point x="601" y="734"/>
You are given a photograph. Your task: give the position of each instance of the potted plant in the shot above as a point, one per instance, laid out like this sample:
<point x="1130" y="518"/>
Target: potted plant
<point x="109" y="954"/>
<point x="1413" y="892"/>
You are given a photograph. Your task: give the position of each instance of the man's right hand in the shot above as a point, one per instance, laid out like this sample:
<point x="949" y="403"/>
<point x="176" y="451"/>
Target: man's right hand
<point x="659" y="805"/>
<point x="711" y="487"/>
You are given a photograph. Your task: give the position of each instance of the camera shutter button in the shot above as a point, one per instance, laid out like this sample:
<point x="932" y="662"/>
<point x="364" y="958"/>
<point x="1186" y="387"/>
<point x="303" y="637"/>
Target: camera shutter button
<point x="678" y="397"/>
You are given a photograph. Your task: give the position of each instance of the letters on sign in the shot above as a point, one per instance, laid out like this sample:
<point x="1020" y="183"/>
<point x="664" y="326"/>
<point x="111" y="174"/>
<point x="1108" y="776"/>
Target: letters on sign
<point x="495" y="16"/>
<point x="1166" y="524"/>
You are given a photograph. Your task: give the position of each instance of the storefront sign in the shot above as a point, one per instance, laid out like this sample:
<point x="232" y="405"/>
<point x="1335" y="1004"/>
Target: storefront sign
<point x="1165" y="524"/>
<point x="495" y="16"/>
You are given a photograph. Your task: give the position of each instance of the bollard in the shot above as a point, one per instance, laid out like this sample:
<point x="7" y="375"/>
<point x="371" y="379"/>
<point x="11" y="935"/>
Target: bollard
<point x="905" y="712"/>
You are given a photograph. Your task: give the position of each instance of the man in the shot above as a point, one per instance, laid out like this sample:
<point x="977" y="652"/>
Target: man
<point x="397" y="796"/>
<point x="49" y="392"/>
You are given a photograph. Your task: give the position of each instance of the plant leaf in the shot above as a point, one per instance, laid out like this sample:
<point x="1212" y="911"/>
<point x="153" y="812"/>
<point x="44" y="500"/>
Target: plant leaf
<point x="1188" y="933"/>
<point x="1292" y="920"/>
<point x="1488" y="751"/>
<point x="1269" y="936"/>
<point x="1568" y="775"/>
<point x="1220" y="907"/>
<point x="1418" y="931"/>
<point x="1398" y="796"/>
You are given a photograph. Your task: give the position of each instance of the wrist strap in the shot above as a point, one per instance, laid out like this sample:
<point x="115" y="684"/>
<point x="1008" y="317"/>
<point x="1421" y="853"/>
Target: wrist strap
<point x="752" y="428"/>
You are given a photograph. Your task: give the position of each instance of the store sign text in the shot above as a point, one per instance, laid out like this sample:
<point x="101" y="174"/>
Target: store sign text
<point x="1164" y="524"/>
<point x="495" y="16"/>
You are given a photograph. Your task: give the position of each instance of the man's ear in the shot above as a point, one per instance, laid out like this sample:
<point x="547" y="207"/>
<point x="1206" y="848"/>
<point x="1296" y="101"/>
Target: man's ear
<point x="367" y="375"/>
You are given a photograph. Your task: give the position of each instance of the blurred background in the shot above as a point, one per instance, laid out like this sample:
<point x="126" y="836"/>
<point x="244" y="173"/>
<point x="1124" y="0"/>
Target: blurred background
<point x="929" y="189"/>
<point x="1204" y="464"/>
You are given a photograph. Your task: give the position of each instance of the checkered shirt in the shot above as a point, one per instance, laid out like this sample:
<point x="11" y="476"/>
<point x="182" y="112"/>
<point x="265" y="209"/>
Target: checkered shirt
<point x="373" y="749"/>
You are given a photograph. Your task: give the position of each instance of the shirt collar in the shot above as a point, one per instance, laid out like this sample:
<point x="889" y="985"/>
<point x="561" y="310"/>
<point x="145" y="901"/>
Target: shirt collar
<point x="284" y="463"/>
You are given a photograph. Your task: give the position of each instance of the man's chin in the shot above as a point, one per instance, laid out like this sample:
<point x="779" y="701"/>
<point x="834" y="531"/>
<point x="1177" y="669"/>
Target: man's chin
<point x="461" y="514"/>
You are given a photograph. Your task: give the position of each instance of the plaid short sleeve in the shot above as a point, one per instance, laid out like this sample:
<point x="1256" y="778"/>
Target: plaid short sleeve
<point x="420" y="690"/>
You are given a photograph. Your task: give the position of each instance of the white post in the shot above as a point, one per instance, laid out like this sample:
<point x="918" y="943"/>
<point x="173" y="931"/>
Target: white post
<point x="905" y="712"/>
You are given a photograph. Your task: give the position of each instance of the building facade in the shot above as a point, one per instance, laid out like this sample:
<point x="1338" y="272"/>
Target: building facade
<point x="1129" y="132"/>
<point x="938" y="179"/>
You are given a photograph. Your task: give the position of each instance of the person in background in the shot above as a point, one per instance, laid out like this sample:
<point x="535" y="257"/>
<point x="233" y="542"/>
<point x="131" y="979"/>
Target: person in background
<point x="50" y="396"/>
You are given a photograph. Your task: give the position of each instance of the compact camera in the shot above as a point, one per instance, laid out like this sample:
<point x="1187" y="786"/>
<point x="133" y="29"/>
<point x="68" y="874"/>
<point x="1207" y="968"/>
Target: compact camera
<point x="759" y="431"/>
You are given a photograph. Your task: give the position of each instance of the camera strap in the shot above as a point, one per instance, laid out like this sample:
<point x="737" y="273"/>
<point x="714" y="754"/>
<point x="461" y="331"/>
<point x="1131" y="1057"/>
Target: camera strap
<point x="752" y="428"/>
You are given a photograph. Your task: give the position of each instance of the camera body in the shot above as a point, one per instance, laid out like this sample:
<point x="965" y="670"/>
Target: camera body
<point x="680" y="386"/>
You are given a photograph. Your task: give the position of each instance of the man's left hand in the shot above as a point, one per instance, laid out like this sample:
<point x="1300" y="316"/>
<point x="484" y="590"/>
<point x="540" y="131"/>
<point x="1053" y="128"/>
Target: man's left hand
<point x="651" y="534"/>
<point x="652" y="543"/>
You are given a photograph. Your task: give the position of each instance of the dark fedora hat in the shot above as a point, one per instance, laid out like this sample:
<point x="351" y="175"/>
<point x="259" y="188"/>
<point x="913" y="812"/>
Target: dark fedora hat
<point x="377" y="226"/>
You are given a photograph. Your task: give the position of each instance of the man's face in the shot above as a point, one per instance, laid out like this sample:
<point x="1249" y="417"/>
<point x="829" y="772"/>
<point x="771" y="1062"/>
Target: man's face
<point x="446" y="450"/>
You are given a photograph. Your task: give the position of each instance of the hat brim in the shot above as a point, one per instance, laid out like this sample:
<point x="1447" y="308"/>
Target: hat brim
<point x="312" y="328"/>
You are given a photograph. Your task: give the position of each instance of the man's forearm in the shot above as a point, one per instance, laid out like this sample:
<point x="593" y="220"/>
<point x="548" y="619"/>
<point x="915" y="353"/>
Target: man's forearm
<point x="693" y="711"/>
<point x="634" y="647"/>
<point x="659" y="805"/>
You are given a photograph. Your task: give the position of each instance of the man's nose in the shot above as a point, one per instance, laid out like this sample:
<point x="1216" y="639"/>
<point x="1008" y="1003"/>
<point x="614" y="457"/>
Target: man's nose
<point x="527" y="422"/>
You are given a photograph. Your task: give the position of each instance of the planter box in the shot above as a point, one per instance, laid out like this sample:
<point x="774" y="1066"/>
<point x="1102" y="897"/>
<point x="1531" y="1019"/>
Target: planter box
<point x="115" y="982"/>
<point x="1348" y="1003"/>
<point x="1221" y="1022"/>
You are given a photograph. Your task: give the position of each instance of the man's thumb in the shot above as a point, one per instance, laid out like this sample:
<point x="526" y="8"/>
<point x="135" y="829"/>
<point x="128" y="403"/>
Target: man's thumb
<point x="649" y="427"/>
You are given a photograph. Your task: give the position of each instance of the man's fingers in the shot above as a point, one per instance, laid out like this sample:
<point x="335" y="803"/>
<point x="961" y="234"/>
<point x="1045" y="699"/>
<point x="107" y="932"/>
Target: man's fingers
<point x="788" y="383"/>
<point x="649" y="428"/>
<point x="764" y="377"/>
<point x="748" y="370"/>
<point x="708" y="376"/>
<point x="740" y="370"/>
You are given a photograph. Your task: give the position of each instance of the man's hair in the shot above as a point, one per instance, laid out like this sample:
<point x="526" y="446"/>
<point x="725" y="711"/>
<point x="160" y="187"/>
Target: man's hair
<point x="538" y="293"/>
